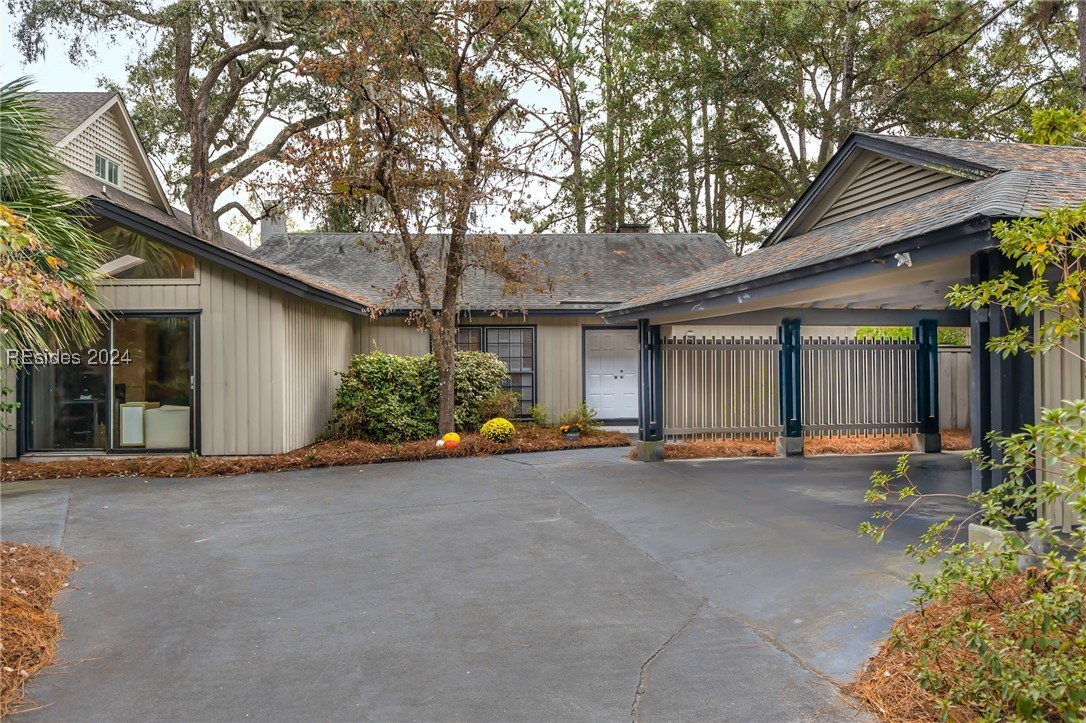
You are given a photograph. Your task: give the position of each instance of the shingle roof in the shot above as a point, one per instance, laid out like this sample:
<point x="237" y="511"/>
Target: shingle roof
<point x="81" y="185"/>
<point x="585" y="271"/>
<point x="70" y="110"/>
<point x="994" y="155"/>
<point x="1011" y="194"/>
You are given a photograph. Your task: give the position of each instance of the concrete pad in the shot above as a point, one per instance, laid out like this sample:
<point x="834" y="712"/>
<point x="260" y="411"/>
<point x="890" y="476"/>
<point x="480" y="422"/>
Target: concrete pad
<point x="576" y="585"/>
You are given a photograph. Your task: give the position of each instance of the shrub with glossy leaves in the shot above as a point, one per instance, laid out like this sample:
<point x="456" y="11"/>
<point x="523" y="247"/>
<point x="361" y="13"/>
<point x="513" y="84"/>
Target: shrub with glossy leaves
<point x="389" y="398"/>
<point x="1012" y="645"/>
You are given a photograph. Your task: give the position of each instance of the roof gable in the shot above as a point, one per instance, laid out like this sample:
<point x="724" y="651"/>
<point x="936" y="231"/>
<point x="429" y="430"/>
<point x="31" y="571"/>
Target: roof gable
<point x="92" y="124"/>
<point x="869" y="173"/>
<point x="70" y="110"/>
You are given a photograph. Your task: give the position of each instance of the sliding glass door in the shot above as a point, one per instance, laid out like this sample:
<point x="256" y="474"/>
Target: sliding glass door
<point x="134" y="391"/>
<point x="153" y="387"/>
<point x="68" y="402"/>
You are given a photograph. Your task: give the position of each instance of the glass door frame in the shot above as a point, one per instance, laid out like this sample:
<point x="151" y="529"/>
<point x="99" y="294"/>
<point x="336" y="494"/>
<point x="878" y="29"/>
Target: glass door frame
<point x="25" y="406"/>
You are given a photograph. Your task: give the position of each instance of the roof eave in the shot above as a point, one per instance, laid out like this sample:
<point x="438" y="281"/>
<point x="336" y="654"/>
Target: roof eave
<point x="977" y="227"/>
<point x="234" y="261"/>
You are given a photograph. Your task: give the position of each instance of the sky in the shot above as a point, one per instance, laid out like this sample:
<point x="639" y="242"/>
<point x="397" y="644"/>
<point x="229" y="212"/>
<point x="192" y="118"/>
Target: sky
<point x="57" y="73"/>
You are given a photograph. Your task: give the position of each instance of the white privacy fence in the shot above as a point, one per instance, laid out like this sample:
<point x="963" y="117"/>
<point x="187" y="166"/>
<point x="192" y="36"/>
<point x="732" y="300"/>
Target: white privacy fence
<point x="728" y="387"/>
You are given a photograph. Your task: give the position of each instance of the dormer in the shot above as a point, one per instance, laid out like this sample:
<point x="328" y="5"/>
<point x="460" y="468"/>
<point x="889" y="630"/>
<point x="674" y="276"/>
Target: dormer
<point x="95" y="136"/>
<point x="871" y="172"/>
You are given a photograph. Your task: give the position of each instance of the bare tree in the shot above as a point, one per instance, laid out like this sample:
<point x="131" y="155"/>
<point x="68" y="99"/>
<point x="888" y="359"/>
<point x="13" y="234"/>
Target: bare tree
<point x="432" y="92"/>
<point x="230" y="73"/>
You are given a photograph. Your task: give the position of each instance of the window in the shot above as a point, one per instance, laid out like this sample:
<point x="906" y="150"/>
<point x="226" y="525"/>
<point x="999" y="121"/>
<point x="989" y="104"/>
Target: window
<point x="469" y="339"/>
<point x="514" y="345"/>
<point x="107" y="170"/>
<point x="134" y="256"/>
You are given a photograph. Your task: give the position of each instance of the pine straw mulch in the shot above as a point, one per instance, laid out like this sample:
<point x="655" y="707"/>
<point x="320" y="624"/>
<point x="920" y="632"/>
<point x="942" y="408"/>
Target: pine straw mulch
<point x="329" y="453"/>
<point x="953" y="439"/>
<point x="29" y="629"/>
<point x="886" y="687"/>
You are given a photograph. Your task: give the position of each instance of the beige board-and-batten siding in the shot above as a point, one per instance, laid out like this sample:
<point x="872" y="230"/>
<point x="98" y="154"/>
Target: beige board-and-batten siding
<point x="1059" y="377"/>
<point x="267" y="359"/>
<point x="558" y="340"/>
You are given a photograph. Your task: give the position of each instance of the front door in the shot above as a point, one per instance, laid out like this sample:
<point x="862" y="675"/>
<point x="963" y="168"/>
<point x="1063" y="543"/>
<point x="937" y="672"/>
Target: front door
<point x="610" y="372"/>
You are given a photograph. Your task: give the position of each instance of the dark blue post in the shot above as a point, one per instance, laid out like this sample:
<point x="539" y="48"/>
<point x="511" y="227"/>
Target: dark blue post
<point x="650" y="418"/>
<point x="791" y="389"/>
<point x="927" y="376"/>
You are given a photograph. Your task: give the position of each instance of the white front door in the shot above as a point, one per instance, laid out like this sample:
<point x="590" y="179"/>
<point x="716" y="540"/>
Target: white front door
<point x="610" y="372"/>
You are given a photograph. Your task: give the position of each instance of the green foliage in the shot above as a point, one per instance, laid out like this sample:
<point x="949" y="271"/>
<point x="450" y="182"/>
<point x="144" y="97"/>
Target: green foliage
<point x="389" y="398"/>
<point x="381" y="397"/>
<point x="48" y="257"/>
<point x="582" y="417"/>
<point x="1025" y="633"/>
<point x="498" y="430"/>
<point x="1056" y="127"/>
<point x="478" y="375"/>
<point x="503" y="403"/>
<point x="539" y="415"/>
<point x="948" y="335"/>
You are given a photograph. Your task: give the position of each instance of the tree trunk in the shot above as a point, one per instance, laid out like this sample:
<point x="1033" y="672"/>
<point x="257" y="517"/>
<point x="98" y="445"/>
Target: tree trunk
<point x="848" y="74"/>
<point x="1082" y="54"/>
<point x="443" y="338"/>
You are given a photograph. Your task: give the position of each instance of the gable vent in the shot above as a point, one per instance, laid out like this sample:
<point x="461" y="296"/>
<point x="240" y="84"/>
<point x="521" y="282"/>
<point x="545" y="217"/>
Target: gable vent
<point x="883" y="182"/>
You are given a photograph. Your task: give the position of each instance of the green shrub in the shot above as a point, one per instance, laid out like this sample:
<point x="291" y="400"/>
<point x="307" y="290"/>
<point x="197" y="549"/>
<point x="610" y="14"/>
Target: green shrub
<point x="503" y="403"/>
<point x="498" y="430"/>
<point x="539" y="415"/>
<point x="1010" y="646"/>
<point x="583" y="417"/>
<point x="389" y="398"/>
<point x="381" y="397"/>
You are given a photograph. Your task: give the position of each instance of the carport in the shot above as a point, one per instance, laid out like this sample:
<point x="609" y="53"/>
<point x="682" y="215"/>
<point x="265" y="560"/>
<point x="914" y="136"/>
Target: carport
<point x="878" y="238"/>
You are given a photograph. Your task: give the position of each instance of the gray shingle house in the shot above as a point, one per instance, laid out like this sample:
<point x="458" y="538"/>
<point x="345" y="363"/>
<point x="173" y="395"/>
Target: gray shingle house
<point x="223" y="351"/>
<point x="558" y="350"/>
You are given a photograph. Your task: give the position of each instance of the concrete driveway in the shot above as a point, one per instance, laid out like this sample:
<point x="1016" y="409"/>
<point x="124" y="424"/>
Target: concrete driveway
<point x="560" y="586"/>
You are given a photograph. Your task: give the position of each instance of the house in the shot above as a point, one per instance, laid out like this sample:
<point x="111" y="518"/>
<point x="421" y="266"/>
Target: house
<point x="205" y="348"/>
<point x="558" y="350"/>
<point x="878" y="238"/>
<point x="215" y="349"/>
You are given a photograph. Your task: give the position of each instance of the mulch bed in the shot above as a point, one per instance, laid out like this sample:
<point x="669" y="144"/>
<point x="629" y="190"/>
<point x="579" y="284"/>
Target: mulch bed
<point x="886" y="687"/>
<point x="953" y="439"/>
<point x="31" y="578"/>
<point x="329" y="453"/>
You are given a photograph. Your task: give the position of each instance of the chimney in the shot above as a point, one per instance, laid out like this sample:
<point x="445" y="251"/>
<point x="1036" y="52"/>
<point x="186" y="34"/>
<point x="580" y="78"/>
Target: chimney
<point x="274" y="220"/>
<point x="632" y="228"/>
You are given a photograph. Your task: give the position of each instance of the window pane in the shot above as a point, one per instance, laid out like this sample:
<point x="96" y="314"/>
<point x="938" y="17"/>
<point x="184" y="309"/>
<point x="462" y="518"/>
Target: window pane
<point x="100" y="166"/>
<point x="134" y="256"/>
<point x="66" y="404"/>
<point x="114" y="174"/>
<point x="152" y="394"/>
<point x="469" y="339"/>
<point x="515" y="347"/>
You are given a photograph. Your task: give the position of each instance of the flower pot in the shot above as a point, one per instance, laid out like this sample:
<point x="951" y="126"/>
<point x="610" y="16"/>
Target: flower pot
<point x="572" y="436"/>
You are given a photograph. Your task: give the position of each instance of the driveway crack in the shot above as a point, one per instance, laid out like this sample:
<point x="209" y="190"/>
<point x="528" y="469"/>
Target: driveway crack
<point x="643" y="678"/>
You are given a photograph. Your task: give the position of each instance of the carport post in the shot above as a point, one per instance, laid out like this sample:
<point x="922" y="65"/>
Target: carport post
<point x="790" y="443"/>
<point x="650" y="418"/>
<point x="927" y="437"/>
